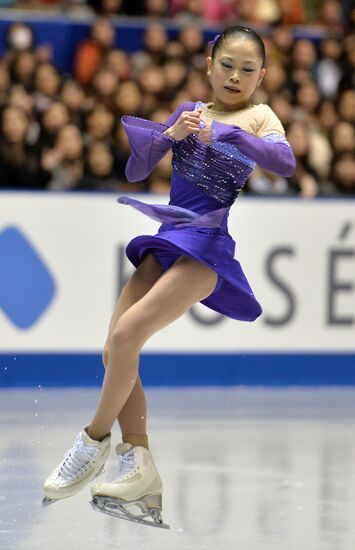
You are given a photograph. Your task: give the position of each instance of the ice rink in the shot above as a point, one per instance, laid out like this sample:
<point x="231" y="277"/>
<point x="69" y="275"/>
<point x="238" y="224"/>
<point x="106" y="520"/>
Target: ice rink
<point x="243" y="469"/>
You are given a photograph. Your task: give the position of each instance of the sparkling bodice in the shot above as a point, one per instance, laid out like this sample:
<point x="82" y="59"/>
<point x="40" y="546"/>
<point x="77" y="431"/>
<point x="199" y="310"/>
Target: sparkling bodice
<point x="206" y="178"/>
<point x="220" y="170"/>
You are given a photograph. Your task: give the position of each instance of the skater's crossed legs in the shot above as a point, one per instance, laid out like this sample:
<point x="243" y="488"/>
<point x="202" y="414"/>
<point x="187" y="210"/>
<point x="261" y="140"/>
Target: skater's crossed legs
<point x="176" y="290"/>
<point x="133" y="416"/>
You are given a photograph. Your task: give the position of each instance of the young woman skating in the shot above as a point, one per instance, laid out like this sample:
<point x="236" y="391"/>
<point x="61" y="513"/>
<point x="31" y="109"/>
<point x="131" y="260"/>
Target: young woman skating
<point x="191" y="259"/>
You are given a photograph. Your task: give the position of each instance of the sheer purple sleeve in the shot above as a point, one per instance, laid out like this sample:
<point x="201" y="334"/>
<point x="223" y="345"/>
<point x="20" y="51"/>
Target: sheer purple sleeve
<point x="271" y="152"/>
<point x="148" y="142"/>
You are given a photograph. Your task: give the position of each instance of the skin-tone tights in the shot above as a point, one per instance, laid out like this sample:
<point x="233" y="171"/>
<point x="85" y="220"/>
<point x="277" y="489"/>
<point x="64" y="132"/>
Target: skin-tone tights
<point x="186" y="282"/>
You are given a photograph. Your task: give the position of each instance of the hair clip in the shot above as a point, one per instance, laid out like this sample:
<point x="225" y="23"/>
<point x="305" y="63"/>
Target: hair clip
<point x="214" y="40"/>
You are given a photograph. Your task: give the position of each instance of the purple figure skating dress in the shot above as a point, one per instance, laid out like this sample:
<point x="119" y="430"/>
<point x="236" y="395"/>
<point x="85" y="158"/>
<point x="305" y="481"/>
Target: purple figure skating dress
<point x="206" y="180"/>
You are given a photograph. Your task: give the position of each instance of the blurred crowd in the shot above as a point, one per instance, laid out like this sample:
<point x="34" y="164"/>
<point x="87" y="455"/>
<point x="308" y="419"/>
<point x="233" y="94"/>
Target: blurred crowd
<point x="63" y="132"/>
<point x="254" y="12"/>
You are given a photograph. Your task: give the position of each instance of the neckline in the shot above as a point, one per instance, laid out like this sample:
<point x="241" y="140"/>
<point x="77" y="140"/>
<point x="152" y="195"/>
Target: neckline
<point x="209" y="110"/>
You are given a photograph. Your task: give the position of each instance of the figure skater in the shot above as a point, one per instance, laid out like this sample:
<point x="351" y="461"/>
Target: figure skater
<point x="216" y="146"/>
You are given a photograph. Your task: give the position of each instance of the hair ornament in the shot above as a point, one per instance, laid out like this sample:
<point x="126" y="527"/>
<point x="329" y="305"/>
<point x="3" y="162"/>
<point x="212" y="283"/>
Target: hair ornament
<point x="214" y="40"/>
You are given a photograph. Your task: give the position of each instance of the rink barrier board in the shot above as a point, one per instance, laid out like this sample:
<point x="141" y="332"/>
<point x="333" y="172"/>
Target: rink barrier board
<point x="160" y="369"/>
<point x="302" y="275"/>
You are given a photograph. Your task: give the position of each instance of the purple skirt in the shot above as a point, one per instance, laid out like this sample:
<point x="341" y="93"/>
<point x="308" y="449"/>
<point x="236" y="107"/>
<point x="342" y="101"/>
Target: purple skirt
<point x="180" y="235"/>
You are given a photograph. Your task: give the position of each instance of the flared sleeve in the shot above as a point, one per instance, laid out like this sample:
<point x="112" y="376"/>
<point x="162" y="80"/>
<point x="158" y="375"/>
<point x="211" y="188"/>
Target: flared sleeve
<point x="148" y="142"/>
<point x="271" y="151"/>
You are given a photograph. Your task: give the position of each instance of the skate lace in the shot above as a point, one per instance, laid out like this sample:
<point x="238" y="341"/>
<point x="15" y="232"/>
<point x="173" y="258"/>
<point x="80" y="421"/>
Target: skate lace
<point x="75" y="459"/>
<point x="127" y="465"/>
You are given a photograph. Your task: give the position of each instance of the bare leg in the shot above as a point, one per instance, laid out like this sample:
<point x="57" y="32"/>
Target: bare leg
<point x="185" y="283"/>
<point x="133" y="416"/>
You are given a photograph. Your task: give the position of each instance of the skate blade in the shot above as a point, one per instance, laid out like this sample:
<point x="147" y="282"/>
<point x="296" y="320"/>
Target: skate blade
<point x="48" y="501"/>
<point x="116" y="508"/>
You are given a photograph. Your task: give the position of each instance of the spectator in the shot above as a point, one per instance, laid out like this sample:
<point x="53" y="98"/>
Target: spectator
<point x="343" y="138"/>
<point x="104" y="86"/>
<point x="128" y="99"/>
<point x="119" y="62"/>
<point x="331" y="16"/>
<point x="156" y="8"/>
<point x="282" y="108"/>
<point x="155" y="43"/>
<point x="215" y="11"/>
<point x="161" y="115"/>
<point x="75" y="100"/>
<point x="18" y="97"/>
<point x="209" y="10"/>
<point x="121" y="153"/>
<point x="65" y="160"/>
<point x="328" y="72"/>
<point x="91" y="52"/>
<point x="197" y="87"/>
<point x="23" y="67"/>
<point x="282" y="41"/>
<point x="257" y="12"/>
<point x="175" y="73"/>
<point x="99" y="169"/>
<point x="19" y="165"/>
<point x="304" y="181"/>
<point x="47" y="86"/>
<point x="106" y="7"/>
<point x="5" y="82"/>
<point x="19" y="38"/>
<point x="275" y="78"/>
<point x="303" y="63"/>
<point x="99" y="125"/>
<point x="347" y="80"/>
<point x="174" y="50"/>
<point x="53" y="120"/>
<point x="292" y="12"/>
<point x="152" y="82"/>
<point x="308" y="99"/>
<point x="343" y="173"/>
<point x="192" y="41"/>
<point x="327" y="116"/>
<point x="346" y="106"/>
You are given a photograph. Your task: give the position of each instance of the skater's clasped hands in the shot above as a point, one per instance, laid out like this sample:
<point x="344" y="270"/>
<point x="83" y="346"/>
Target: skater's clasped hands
<point x="189" y="123"/>
<point x="206" y="133"/>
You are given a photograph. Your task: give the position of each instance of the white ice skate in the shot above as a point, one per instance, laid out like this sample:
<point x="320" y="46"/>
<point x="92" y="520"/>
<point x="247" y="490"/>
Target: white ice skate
<point x="138" y="485"/>
<point x="82" y="463"/>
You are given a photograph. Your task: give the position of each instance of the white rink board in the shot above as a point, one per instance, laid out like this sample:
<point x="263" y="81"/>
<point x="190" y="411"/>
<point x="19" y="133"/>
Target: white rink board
<point x="308" y="295"/>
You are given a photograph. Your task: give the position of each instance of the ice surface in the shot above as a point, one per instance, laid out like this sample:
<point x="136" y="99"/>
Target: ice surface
<point x="248" y="469"/>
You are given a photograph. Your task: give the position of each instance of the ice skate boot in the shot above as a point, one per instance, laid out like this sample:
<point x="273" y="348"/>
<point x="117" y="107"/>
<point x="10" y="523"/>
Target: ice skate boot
<point x="138" y="485"/>
<point x="84" y="461"/>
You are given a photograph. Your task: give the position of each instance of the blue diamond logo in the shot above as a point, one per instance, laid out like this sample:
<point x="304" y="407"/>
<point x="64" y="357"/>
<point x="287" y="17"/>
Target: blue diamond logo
<point x="26" y="284"/>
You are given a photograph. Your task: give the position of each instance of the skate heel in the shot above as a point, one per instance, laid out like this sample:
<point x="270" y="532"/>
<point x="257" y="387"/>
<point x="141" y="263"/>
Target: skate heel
<point x="153" y="501"/>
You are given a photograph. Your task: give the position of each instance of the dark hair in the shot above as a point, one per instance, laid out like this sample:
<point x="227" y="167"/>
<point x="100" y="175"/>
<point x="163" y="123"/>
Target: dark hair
<point x="239" y="32"/>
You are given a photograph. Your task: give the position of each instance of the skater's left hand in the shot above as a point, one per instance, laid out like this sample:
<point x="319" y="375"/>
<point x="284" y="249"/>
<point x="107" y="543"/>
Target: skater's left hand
<point x="206" y="133"/>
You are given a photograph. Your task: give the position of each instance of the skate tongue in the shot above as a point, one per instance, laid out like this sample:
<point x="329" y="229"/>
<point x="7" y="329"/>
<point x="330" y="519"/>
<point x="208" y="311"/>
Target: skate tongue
<point x="123" y="448"/>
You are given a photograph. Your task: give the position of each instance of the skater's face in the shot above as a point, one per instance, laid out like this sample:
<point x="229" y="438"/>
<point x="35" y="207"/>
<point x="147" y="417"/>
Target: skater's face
<point x="235" y="72"/>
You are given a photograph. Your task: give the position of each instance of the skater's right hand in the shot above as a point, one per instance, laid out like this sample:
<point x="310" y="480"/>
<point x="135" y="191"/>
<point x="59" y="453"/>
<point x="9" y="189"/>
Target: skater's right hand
<point x="187" y="123"/>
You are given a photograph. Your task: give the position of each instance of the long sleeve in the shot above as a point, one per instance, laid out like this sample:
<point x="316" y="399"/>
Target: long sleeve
<point x="271" y="152"/>
<point x="148" y="142"/>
